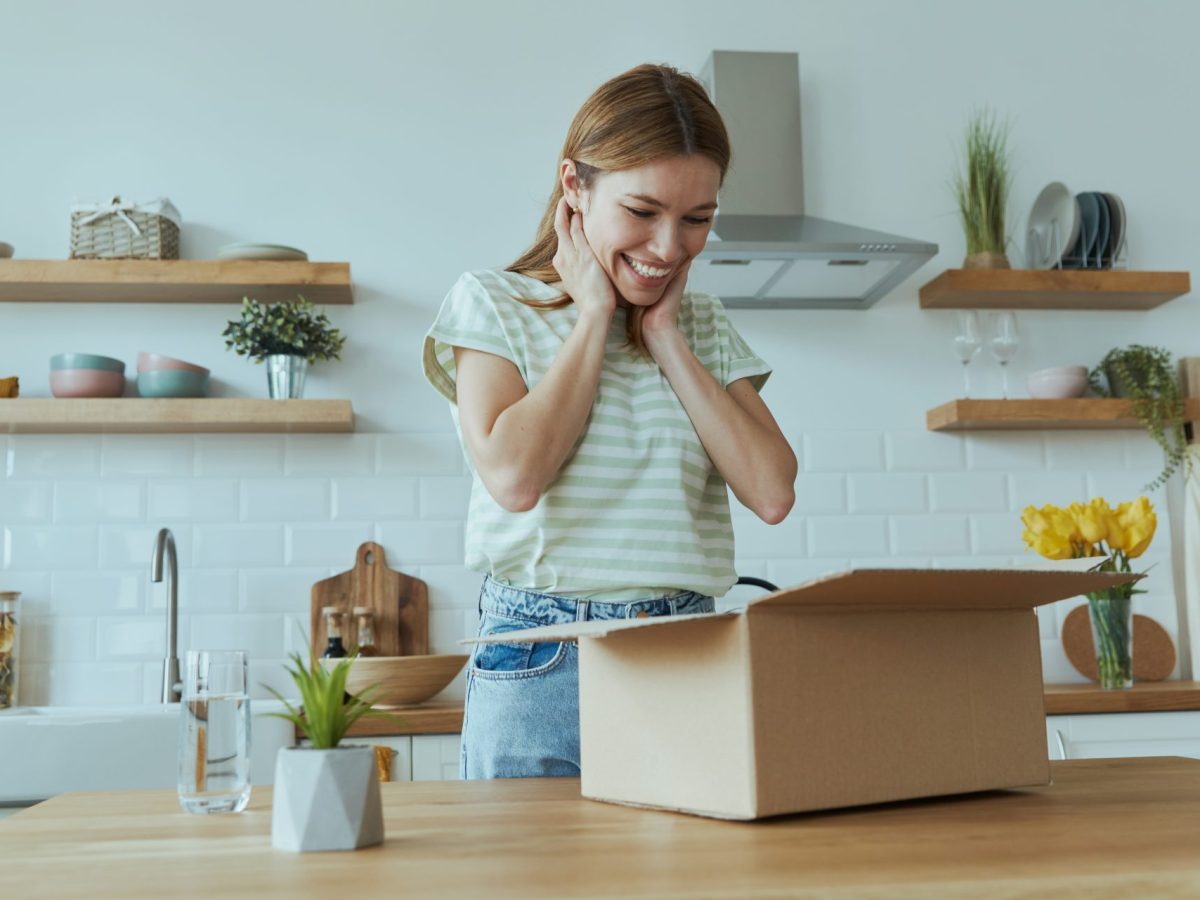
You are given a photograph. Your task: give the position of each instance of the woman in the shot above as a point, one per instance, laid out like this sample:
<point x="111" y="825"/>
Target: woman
<point x="603" y="411"/>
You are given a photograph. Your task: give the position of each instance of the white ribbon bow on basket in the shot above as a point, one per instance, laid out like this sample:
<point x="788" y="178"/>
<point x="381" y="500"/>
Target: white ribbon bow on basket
<point x="120" y="208"/>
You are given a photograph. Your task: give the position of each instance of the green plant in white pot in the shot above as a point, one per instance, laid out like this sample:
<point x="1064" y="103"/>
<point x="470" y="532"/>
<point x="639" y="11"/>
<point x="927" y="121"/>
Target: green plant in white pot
<point x="326" y="797"/>
<point x="288" y="337"/>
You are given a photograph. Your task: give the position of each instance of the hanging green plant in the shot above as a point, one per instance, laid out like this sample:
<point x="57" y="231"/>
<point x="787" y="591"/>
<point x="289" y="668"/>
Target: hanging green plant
<point x="982" y="191"/>
<point x="1146" y="375"/>
<point x="292" y="329"/>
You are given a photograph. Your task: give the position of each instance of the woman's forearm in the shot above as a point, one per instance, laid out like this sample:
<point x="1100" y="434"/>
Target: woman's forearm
<point x="752" y="455"/>
<point x="530" y="440"/>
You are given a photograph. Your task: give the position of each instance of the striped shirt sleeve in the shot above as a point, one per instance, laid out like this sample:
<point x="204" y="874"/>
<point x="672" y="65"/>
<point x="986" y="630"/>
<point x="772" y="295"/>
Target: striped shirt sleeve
<point x="468" y="318"/>
<point x="737" y="359"/>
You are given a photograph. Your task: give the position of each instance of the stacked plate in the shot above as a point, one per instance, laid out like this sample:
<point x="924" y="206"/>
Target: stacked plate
<point x="260" y="251"/>
<point x="1081" y="231"/>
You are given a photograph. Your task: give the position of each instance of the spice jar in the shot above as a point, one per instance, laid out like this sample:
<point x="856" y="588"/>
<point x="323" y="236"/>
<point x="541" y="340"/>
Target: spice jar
<point x="8" y="648"/>
<point x="366" y="631"/>
<point x="334" y="648"/>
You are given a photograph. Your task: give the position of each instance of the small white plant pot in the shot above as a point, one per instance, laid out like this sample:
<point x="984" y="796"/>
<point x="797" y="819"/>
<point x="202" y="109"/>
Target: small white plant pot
<point x="326" y="799"/>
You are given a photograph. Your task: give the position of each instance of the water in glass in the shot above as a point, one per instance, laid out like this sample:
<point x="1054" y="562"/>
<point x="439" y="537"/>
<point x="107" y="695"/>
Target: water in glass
<point x="214" y="733"/>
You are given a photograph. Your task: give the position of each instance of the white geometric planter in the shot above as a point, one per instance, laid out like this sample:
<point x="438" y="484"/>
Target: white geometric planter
<point x="326" y="799"/>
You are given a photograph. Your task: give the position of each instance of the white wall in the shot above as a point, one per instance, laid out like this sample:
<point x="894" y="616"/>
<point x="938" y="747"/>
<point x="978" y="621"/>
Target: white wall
<point x="419" y="140"/>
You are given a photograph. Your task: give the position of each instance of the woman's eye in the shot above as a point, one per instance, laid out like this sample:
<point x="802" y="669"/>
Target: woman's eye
<point x="699" y="221"/>
<point x="640" y="213"/>
<point x="646" y="214"/>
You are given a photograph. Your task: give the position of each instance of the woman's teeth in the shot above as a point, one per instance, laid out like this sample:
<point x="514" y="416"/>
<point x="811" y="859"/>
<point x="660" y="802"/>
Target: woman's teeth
<point x="644" y="270"/>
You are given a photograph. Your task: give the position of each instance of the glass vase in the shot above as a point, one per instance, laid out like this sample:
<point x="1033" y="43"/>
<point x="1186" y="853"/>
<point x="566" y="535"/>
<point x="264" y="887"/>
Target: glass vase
<point x="1112" y="634"/>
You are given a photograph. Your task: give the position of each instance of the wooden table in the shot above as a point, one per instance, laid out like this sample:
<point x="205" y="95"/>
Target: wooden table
<point x="1126" y="827"/>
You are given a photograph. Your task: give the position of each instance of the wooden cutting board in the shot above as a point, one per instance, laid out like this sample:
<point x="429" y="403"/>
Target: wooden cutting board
<point x="400" y="603"/>
<point x="1153" y="649"/>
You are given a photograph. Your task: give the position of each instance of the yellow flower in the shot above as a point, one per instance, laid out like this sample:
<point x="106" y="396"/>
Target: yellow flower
<point x="1051" y="531"/>
<point x="1139" y="521"/>
<point x="1090" y="520"/>
<point x="1049" y="545"/>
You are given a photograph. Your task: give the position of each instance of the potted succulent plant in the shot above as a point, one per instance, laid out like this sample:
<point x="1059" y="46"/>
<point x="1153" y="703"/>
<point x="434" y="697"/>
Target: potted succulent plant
<point x="327" y="795"/>
<point x="982" y="192"/>
<point x="288" y="336"/>
<point x="1146" y="375"/>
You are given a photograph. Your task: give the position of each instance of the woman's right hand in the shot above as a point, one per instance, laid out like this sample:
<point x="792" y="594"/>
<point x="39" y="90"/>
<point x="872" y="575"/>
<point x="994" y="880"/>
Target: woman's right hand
<point x="582" y="275"/>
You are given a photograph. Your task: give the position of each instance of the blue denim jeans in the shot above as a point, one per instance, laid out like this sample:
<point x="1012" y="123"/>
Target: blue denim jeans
<point x="522" y="705"/>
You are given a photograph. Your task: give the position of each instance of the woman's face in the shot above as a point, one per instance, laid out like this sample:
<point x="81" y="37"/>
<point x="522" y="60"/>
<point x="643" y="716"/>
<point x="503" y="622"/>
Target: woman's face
<point x="645" y="223"/>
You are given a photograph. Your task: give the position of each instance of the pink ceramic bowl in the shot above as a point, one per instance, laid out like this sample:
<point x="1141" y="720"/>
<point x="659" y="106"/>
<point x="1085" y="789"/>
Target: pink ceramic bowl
<point x="156" y="362"/>
<point x="86" y="383"/>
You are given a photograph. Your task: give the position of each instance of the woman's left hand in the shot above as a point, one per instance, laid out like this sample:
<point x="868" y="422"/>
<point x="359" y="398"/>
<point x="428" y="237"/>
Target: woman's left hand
<point x="662" y="317"/>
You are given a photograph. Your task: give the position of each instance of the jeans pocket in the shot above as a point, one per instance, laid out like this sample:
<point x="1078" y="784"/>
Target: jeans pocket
<point x="513" y="660"/>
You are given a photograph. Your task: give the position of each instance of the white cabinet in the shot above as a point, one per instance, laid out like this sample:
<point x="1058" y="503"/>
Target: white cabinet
<point x="435" y="757"/>
<point x="401" y="743"/>
<point x="1124" y="734"/>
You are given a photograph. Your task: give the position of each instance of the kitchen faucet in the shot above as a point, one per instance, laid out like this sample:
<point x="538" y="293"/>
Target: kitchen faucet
<point x="172" y="686"/>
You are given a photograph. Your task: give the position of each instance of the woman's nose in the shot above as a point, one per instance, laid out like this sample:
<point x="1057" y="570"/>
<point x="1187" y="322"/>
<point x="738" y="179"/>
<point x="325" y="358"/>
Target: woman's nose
<point x="667" y="243"/>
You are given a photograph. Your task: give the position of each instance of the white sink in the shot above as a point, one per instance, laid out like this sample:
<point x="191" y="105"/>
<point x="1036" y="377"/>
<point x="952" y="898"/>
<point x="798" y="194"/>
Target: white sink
<point x="45" y="750"/>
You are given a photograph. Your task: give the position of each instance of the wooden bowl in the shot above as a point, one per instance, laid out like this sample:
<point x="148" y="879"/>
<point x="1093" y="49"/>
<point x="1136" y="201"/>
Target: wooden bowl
<point x="403" y="680"/>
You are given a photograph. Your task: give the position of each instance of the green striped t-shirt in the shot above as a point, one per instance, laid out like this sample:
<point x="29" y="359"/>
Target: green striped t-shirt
<point x="638" y="508"/>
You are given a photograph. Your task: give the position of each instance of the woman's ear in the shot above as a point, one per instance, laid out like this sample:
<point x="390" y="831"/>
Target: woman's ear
<point x="572" y="190"/>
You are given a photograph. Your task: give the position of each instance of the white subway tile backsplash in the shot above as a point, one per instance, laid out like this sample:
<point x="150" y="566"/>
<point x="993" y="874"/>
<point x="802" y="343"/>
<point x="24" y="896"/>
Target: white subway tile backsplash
<point x="451" y="586"/>
<point x="263" y="673"/>
<point x="891" y="493"/>
<point x="132" y="546"/>
<point x="445" y="498"/>
<point x="240" y="455"/>
<point x="46" y="638"/>
<point x="755" y="539"/>
<point x="33" y="586"/>
<point x="1075" y="450"/>
<point x="1039" y="488"/>
<point x="261" y="636"/>
<point x="200" y="591"/>
<point x="159" y="456"/>
<point x="50" y="546"/>
<point x="1005" y="452"/>
<point x="97" y="593"/>
<point x="847" y="536"/>
<point x="279" y="590"/>
<point x="223" y="546"/>
<point x="968" y="492"/>
<point x="843" y="451"/>
<point x="447" y="627"/>
<point x="321" y="454"/>
<point x="921" y="451"/>
<point x="25" y="501"/>
<point x="1119" y="487"/>
<point x="998" y="535"/>
<point x="327" y="545"/>
<point x="819" y="495"/>
<point x="285" y="500"/>
<point x="791" y="572"/>
<point x="92" y="684"/>
<point x="141" y="638"/>
<point x="419" y="454"/>
<point x="378" y="497"/>
<point x="57" y="456"/>
<point x="98" y="501"/>
<point x="193" y="500"/>
<point x="933" y="534"/>
<point x="416" y="543"/>
<point x="1142" y="455"/>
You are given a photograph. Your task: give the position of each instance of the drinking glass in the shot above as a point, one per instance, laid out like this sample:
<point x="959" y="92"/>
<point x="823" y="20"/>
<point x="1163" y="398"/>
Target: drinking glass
<point x="214" y="733"/>
<point x="1005" y="343"/>
<point x="967" y="343"/>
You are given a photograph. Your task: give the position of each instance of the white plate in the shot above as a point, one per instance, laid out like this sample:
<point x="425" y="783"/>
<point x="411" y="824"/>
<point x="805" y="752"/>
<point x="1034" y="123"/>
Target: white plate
<point x="260" y="251"/>
<point x="1053" y="226"/>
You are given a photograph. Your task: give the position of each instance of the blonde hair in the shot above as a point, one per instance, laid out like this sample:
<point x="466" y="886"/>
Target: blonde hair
<point x="643" y="115"/>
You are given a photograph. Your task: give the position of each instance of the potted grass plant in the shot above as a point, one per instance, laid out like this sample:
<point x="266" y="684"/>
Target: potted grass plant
<point x="288" y="337"/>
<point x="327" y="795"/>
<point x="1147" y="377"/>
<point x="982" y="192"/>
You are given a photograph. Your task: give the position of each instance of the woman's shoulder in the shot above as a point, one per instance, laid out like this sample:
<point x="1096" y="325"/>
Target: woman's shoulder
<point x="503" y="287"/>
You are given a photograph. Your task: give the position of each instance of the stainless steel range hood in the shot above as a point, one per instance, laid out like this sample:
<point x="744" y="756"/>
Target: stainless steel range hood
<point x="763" y="251"/>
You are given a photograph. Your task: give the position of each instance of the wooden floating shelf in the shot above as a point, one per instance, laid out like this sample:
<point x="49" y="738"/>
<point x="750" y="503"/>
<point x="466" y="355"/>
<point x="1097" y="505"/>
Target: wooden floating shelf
<point x="173" y="281"/>
<point x="1026" y="415"/>
<point x="173" y="416"/>
<point x="1052" y="289"/>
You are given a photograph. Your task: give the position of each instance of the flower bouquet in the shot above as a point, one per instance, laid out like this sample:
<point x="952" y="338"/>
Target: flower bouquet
<point x="1118" y="535"/>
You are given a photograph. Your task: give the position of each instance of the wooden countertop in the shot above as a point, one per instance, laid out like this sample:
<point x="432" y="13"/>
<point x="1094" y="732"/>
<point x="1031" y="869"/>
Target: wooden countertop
<point x="1144" y="696"/>
<point x="1124" y="827"/>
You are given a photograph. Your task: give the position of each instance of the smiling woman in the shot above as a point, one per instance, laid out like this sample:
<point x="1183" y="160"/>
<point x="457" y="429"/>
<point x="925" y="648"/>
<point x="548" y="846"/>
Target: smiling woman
<point x="604" y="410"/>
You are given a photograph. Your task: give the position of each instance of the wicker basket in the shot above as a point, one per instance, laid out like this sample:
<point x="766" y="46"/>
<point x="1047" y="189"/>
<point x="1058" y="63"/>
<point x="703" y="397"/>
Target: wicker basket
<point x="120" y="230"/>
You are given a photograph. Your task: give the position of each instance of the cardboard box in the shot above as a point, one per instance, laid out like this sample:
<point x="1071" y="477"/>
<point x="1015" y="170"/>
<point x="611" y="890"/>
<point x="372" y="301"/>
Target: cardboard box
<point x="862" y="687"/>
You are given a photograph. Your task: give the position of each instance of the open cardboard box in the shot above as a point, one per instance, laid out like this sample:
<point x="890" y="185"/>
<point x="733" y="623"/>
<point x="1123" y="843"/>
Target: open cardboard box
<point x="861" y="687"/>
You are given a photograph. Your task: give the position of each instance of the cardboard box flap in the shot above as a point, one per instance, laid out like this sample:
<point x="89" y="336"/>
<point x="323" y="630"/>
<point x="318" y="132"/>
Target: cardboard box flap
<point x="570" y="631"/>
<point x="943" y="588"/>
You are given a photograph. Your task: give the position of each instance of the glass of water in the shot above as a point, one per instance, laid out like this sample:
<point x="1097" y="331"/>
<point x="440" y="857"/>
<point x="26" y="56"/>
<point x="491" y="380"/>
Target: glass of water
<point x="214" y="733"/>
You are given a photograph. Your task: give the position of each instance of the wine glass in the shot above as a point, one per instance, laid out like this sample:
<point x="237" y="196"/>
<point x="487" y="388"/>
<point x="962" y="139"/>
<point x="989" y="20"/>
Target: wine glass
<point x="1004" y="343"/>
<point x="967" y="343"/>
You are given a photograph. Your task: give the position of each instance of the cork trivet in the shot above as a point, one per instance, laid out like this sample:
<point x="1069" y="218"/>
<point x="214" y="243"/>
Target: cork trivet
<point x="1153" y="650"/>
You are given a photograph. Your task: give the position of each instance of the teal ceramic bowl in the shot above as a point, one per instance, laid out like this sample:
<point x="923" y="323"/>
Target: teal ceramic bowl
<point x="172" y="383"/>
<point x="85" y="361"/>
